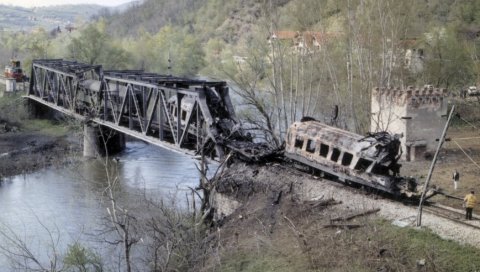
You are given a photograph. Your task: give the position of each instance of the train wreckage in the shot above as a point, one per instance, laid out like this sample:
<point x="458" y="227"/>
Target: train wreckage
<point x="370" y="160"/>
<point x="198" y="115"/>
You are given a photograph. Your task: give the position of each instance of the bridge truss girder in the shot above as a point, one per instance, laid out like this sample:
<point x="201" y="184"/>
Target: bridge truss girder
<point x="176" y="113"/>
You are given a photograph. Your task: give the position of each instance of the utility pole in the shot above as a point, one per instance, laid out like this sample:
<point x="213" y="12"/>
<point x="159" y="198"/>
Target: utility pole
<point x="432" y="166"/>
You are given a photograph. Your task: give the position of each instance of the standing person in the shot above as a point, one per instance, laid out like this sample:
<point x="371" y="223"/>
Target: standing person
<point x="456" y="178"/>
<point x="469" y="201"/>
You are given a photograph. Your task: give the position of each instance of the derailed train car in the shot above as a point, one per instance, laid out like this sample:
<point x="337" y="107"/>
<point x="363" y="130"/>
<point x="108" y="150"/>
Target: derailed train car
<point x="370" y="160"/>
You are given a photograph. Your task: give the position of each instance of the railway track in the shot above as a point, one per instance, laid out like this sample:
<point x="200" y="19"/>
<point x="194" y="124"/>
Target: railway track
<point x="441" y="211"/>
<point x="449" y="213"/>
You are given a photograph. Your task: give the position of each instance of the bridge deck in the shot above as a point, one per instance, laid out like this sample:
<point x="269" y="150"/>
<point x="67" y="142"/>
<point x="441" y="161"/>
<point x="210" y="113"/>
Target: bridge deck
<point x="132" y="133"/>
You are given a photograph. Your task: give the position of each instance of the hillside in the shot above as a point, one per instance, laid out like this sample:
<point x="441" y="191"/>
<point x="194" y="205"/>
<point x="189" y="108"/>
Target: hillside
<point x="211" y="18"/>
<point x="207" y="18"/>
<point x="14" y="18"/>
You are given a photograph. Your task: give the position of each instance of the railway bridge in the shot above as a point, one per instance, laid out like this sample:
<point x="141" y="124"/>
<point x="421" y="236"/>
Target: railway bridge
<point x="197" y="117"/>
<point x="185" y="115"/>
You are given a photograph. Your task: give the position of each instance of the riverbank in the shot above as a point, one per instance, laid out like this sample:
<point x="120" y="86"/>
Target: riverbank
<point x="37" y="145"/>
<point x="29" y="144"/>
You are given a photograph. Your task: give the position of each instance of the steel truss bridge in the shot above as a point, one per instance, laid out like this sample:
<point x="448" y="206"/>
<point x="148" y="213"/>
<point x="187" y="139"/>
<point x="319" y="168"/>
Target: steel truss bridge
<point x="181" y="114"/>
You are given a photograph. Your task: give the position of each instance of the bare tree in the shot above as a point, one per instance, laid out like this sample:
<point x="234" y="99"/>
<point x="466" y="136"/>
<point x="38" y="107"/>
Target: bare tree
<point x="122" y="222"/>
<point x="20" y="254"/>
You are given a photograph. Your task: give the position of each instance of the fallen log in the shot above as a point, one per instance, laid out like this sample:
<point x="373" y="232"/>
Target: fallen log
<point x="343" y="226"/>
<point x="277" y="198"/>
<point x="325" y="202"/>
<point x="346" y="218"/>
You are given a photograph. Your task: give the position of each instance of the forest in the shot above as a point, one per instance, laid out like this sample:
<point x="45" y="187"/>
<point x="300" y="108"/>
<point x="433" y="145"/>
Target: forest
<point x="284" y="58"/>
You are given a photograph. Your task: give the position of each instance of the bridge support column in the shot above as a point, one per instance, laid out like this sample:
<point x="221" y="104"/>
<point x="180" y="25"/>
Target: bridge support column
<point x="91" y="143"/>
<point x="115" y="141"/>
<point x="101" y="141"/>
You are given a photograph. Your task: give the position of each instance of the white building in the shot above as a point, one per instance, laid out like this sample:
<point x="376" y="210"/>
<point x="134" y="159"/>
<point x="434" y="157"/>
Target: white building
<point x="418" y="114"/>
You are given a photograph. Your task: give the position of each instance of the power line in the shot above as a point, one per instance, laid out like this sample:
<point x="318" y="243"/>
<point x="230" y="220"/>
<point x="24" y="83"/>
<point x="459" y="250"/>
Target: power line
<point x="468" y="156"/>
<point x="466" y="138"/>
<point x="466" y="121"/>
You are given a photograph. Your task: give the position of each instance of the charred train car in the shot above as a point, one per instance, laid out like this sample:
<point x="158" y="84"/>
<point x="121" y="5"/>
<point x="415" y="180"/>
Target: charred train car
<point x="370" y="161"/>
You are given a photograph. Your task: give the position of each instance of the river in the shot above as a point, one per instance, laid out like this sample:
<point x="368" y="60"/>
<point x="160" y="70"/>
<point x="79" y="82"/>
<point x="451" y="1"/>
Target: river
<point x="68" y="203"/>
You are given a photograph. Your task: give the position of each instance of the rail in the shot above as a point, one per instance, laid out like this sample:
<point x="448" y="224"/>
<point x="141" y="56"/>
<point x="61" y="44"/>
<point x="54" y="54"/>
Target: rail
<point x="450" y="213"/>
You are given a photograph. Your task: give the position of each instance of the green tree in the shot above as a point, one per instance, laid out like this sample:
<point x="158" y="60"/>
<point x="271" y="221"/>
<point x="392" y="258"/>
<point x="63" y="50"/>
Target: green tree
<point x="94" y="45"/>
<point x="170" y="51"/>
<point x="25" y="46"/>
<point x="38" y="45"/>
<point x="447" y="62"/>
<point x="214" y="50"/>
<point x="466" y="12"/>
<point x="81" y="259"/>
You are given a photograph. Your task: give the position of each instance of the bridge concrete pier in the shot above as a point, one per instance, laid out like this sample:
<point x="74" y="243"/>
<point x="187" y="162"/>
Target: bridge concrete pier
<point x="91" y="143"/>
<point x="100" y="141"/>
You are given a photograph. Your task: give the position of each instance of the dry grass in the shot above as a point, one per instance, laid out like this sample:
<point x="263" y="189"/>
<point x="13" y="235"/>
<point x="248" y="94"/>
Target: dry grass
<point x="292" y="237"/>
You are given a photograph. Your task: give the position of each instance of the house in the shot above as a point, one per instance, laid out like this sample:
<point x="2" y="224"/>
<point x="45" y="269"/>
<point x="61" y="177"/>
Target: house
<point x="70" y="27"/>
<point x="306" y="42"/>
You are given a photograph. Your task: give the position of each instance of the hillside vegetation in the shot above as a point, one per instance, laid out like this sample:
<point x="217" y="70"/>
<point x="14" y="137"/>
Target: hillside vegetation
<point x="362" y="45"/>
<point x="329" y="53"/>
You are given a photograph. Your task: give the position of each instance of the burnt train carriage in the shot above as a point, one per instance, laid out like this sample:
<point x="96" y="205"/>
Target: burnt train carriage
<point x="371" y="161"/>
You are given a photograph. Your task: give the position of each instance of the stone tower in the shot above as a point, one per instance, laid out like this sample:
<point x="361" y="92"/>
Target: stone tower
<point x="415" y="113"/>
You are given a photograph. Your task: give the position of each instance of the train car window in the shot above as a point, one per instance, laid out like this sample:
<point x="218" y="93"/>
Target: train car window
<point x="347" y="159"/>
<point x="184" y="115"/>
<point x="380" y="169"/>
<point x="335" y="154"/>
<point x="299" y="143"/>
<point x="310" y="146"/>
<point x="362" y="164"/>
<point x="324" y="150"/>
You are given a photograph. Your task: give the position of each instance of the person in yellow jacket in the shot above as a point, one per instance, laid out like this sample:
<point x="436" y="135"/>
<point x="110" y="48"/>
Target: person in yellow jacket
<point x="469" y="201"/>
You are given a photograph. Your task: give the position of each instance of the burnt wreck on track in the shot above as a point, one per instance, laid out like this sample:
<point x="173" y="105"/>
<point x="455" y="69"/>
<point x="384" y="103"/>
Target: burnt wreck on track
<point x="370" y="160"/>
